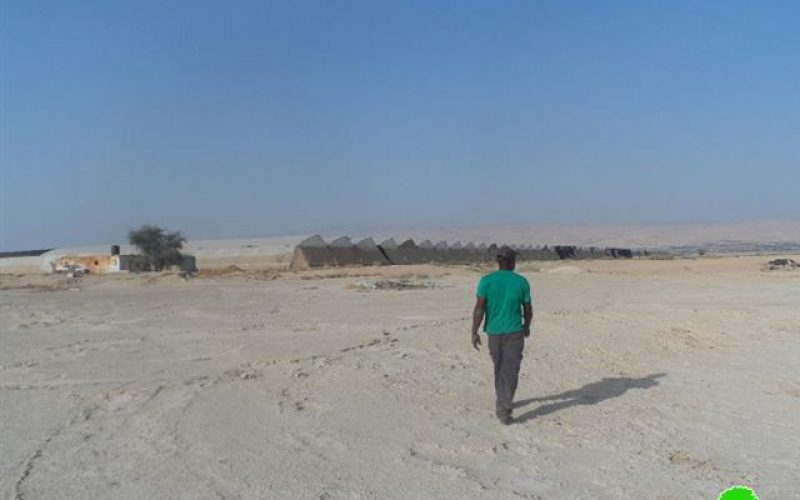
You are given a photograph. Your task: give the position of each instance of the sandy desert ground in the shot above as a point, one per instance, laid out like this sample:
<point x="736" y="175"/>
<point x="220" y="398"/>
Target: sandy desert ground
<point x="642" y="379"/>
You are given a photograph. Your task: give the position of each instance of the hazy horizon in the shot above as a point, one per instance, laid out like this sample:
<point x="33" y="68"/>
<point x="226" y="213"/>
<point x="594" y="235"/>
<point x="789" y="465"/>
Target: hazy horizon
<point x="256" y="119"/>
<point x="638" y="235"/>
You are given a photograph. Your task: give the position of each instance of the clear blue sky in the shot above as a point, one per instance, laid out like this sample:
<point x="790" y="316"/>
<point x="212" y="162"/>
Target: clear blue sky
<point x="240" y="118"/>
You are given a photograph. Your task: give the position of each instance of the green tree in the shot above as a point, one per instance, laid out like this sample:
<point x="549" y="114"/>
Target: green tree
<point x="162" y="248"/>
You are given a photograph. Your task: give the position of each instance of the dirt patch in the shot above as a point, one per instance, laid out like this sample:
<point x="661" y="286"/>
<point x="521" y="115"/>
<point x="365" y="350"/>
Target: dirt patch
<point x="393" y="284"/>
<point x="566" y="270"/>
<point x="39" y="283"/>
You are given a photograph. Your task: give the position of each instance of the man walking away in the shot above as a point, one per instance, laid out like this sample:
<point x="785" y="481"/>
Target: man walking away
<point x="504" y="298"/>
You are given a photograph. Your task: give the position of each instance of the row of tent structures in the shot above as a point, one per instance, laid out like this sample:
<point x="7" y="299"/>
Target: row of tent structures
<point x="314" y="252"/>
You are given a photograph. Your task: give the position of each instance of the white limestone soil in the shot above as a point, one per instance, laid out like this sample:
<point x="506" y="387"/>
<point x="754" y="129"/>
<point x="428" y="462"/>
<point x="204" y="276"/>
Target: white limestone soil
<point x="642" y="379"/>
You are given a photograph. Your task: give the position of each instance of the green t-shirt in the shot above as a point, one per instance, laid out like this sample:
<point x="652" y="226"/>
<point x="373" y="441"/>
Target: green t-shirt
<point x="505" y="292"/>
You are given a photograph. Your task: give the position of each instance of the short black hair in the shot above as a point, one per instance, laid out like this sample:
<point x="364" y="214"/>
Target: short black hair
<point x="506" y="254"/>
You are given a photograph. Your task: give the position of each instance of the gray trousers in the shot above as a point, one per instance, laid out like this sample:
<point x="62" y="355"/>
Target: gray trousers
<point x="506" y="352"/>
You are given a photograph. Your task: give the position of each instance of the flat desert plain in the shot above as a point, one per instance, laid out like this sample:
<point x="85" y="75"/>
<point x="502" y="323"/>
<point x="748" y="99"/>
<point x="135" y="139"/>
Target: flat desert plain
<point x="642" y="379"/>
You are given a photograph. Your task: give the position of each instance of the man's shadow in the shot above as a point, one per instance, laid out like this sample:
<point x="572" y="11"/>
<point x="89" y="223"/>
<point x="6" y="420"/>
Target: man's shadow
<point x="589" y="394"/>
